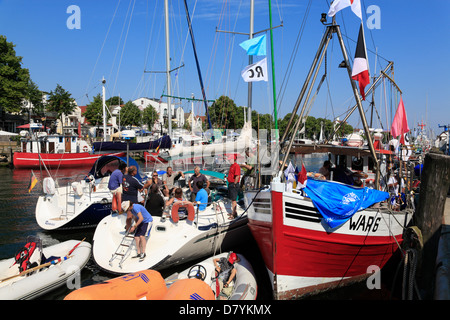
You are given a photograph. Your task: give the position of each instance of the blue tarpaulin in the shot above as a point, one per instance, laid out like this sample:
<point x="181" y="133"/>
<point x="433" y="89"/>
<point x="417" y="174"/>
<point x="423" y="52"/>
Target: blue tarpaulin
<point x="339" y="202"/>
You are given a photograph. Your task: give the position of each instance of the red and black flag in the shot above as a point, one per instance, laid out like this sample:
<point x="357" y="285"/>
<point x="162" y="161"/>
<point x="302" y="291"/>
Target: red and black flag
<point x="360" y="71"/>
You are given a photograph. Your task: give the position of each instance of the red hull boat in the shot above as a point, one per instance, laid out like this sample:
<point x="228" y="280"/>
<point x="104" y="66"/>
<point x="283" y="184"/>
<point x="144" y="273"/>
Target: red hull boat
<point x="29" y="160"/>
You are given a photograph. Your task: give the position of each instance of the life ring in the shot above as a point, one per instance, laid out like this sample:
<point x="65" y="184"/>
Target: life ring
<point x="183" y="204"/>
<point x="85" y="149"/>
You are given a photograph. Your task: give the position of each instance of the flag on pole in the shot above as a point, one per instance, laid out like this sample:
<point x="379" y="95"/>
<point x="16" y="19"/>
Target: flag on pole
<point x="400" y="123"/>
<point x="302" y="178"/>
<point x="360" y="71"/>
<point x="255" y="72"/>
<point x="33" y="181"/>
<point x="255" y="46"/>
<point x="338" y="5"/>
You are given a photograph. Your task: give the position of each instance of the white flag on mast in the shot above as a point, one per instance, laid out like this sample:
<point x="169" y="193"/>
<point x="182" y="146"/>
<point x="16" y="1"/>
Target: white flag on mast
<point x="338" y="5"/>
<point x="255" y="72"/>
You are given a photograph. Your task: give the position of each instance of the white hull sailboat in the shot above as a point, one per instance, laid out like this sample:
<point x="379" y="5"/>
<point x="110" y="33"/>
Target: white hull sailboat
<point x="80" y="204"/>
<point x="171" y="241"/>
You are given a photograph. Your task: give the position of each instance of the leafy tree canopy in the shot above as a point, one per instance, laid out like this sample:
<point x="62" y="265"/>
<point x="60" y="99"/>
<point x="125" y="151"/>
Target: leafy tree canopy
<point x="130" y="115"/>
<point x="149" y="116"/>
<point x="94" y="111"/>
<point x="114" y="101"/>
<point x="60" y="101"/>
<point x="34" y="96"/>
<point x="13" y="78"/>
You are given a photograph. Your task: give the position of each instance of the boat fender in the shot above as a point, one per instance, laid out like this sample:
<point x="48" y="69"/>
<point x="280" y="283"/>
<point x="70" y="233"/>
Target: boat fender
<point x="142" y="285"/>
<point x="49" y="186"/>
<point x="77" y="188"/>
<point x="182" y="204"/>
<point x="190" y="289"/>
<point x="114" y="203"/>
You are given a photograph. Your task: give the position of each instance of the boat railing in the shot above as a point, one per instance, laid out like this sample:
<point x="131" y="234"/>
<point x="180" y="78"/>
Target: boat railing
<point x="72" y="192"/>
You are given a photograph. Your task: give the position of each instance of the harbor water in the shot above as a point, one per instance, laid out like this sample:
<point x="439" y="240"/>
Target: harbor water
<point x="17" y="221"/>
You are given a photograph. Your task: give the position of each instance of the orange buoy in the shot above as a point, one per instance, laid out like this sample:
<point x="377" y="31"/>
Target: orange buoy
<point x="143" y="285"/>
<point x="189" y="289"/>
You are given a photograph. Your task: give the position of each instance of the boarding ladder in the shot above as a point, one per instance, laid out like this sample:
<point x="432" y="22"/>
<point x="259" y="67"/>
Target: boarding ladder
<point x="70" y="206"/>
<point x="124" y="248"/>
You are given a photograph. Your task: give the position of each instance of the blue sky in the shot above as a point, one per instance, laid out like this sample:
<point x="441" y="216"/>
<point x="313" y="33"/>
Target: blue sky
<point x="119" y="39"/>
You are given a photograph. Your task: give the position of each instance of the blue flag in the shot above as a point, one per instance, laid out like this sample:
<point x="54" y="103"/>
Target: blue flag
<point x="338" y="202"/>
<point x="255" y="46"/>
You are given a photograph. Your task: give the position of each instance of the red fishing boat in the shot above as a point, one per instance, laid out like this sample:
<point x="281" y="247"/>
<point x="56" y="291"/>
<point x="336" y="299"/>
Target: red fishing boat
<point x="56" y="151"/>
<point x="306" y="255"/>
<point x="316" y="234"/>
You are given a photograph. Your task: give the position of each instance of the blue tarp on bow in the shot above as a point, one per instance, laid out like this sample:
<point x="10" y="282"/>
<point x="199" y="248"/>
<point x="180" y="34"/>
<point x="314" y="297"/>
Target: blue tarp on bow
<point x="338" y="202"/>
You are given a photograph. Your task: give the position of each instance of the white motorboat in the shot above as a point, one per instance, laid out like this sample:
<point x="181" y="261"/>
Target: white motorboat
<point x="78" y="204"/>
<point x="171" y="240"/>
<point x="60" y="264"/>
<point x="244" y="286"/>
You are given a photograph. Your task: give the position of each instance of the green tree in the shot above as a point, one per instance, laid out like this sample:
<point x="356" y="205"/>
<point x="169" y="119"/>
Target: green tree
<point x="223" y="113"/>
<point x="282" y="123"/>
<point x="34" y="96"/>
<point x="13" y="78"/>
<point x="265" y="121"/>
<point x="149" y="116"/>
<point x="114" y="101"/>
<point x="130" y="115"/>
<point x="61" y="102"/>
<point x="94" y="111"/>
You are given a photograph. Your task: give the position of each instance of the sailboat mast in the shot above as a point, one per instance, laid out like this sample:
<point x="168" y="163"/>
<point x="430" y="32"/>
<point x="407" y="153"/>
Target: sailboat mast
<point x="169" y="93"/>
<point x="198" y="66"/>
<point x="275" y="115"/>
<point x="104" y="108"/>
<point x="250" y="61"/>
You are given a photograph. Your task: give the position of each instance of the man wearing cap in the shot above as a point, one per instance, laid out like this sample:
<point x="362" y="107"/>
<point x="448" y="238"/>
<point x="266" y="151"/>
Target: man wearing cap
<point x="225" y="272"/>
<point x="142" y="226"/>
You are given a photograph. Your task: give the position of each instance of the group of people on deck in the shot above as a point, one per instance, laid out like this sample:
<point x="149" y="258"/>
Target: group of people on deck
<point x="127" y="191"/>
<point x="344" y="175"/>
<point x="162" y="193"/>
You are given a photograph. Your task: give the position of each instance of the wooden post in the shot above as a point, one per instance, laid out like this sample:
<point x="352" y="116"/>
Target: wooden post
<point x="429" y="214"/>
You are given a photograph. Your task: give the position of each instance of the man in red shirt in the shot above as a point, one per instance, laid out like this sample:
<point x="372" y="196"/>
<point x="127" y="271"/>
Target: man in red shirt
<point x="234" y="175"/>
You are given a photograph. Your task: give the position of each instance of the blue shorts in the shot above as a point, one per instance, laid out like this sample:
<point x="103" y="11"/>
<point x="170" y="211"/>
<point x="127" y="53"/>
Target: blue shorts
<point x="143" y="229"/>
